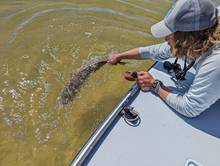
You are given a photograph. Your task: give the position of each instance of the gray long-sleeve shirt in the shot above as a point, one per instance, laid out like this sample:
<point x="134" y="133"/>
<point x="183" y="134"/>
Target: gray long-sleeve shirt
<point x="205" y="88"/>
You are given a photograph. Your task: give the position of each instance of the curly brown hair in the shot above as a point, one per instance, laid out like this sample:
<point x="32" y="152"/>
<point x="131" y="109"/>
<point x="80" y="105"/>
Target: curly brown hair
<point x="194" y="43"/>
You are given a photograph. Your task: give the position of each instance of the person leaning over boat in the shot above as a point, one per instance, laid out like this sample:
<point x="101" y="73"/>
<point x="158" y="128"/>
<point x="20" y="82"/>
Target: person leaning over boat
<point x="191" y="29"/>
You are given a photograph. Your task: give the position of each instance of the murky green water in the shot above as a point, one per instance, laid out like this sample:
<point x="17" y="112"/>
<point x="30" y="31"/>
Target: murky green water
<point x="41" y="43"/>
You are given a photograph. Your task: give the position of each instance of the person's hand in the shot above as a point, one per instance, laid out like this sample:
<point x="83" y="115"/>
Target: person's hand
<point x="113" y="58"/>
<point x="145" y="81"/>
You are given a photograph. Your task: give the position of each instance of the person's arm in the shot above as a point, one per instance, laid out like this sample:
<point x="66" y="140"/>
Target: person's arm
<point x="203" y="92"/>
<point x="155" y="52"/>
<point x="146" y="80"/>
<point x="130" y="54"/>
<point x="163" y="92"/>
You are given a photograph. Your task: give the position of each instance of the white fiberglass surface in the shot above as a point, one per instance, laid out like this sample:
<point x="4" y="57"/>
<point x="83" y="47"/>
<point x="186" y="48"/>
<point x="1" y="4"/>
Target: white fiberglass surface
<point x="163" y="137"/>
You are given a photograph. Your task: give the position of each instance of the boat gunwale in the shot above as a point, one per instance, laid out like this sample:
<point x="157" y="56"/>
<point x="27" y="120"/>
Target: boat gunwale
<point x="100" y="131"/>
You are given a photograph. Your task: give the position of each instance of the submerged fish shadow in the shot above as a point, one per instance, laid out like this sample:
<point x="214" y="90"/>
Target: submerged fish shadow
<point x="79" y="77"/>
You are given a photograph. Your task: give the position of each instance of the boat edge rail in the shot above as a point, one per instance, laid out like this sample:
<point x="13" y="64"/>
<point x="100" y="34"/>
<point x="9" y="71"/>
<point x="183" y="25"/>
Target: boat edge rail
<point x="96" y="136"/>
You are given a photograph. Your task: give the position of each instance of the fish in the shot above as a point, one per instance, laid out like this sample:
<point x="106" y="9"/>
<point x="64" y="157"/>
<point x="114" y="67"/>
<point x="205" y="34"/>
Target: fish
<point x="79" y="77"/>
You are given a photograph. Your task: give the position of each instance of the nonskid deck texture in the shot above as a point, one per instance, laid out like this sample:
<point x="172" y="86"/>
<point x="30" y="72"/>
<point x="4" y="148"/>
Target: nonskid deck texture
<point x="164" y="137"/>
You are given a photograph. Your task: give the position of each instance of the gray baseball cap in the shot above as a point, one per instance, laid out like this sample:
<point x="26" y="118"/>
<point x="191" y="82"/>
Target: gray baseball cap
<point x="186" y="15"/>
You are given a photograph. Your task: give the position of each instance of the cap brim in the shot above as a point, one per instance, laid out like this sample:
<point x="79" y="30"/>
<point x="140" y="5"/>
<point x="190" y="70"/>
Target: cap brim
<point x="160" y="30"/>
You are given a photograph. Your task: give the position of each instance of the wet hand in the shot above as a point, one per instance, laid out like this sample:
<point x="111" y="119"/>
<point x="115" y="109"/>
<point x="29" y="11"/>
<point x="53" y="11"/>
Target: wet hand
<point x="113" y="59"/>
<point x="145" y="81"/>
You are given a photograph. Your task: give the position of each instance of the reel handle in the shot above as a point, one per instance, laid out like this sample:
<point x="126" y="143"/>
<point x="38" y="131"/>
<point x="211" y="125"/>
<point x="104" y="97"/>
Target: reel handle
<point x="131" y="75"/>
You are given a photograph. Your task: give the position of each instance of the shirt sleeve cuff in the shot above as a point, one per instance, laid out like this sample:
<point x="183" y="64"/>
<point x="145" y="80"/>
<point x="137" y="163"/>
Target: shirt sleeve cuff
<point x="171" y="100"/>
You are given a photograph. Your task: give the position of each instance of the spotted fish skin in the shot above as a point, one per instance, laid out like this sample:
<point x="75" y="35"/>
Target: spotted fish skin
<point x="79" y="76"/>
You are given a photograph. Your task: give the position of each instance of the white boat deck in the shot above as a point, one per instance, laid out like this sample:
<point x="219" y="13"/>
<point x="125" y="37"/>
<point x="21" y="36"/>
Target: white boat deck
<point x="163" y="138"/>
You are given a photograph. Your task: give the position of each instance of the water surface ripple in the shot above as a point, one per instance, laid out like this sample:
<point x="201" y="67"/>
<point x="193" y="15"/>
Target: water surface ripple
<point x="42" y="43"/>
<point x="140" y="19"/>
